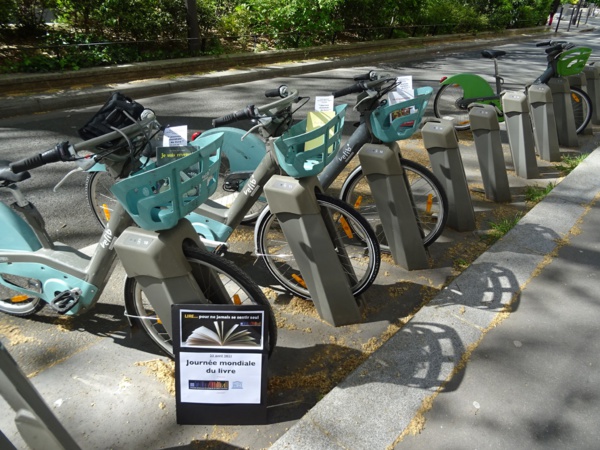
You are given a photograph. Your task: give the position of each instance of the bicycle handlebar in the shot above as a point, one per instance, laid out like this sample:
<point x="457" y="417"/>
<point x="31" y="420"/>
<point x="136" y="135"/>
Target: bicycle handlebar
<point x="64" y="151"/>
<point x="60" y="152"/>
<point x="254" y="112"/>
<point x="369" y="76"/>
<point x="247" y="113"/>
<point x="360" y="87"/>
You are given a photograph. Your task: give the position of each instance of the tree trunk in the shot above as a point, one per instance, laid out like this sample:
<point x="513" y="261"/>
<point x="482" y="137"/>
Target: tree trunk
<point x="192" y="26"/>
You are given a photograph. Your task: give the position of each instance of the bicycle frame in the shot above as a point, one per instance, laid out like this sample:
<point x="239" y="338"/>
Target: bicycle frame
<point x="215" y="221"/>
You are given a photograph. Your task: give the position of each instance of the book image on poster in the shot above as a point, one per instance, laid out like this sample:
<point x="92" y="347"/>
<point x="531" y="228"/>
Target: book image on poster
<point x="234" y="330"/>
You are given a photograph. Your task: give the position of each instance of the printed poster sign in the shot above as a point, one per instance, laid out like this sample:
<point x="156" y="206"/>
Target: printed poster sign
<point x="220" y="363"/>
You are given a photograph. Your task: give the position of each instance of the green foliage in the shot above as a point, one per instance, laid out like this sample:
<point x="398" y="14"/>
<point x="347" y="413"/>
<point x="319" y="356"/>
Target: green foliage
<point x="569" y="162"/>
<point x="137" y="30"/>
<point x="535" y="194"/>
<point x="500" y="228"/>
<point x="297" y="23"/>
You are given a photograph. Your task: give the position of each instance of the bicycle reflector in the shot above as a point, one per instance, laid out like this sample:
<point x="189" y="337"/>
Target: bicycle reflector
<point x="443" y="79"/>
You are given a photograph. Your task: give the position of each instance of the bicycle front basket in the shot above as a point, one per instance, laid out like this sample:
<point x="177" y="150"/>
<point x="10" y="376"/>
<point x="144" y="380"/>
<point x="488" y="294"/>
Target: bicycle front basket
<point x="572" y="62"/>
<point x="303" y="153"/>
<point x="399" y="121"/>
<point x="158" y="197"/>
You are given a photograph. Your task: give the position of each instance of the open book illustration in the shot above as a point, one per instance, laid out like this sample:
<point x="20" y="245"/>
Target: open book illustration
<point x="205" y="336"/>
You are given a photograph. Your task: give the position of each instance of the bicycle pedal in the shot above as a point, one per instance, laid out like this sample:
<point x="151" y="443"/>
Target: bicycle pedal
<point x="64" y="301"/>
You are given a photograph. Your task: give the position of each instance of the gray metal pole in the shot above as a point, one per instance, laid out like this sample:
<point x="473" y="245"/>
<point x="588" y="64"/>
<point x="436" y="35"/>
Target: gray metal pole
<point x="520" y="134"/>
<point x="544" y="122"/>
<point x="441" y="142"/>
<point x="389" y="187"/>
<point x="294" y="204"/>
<point x="486" y="134"/>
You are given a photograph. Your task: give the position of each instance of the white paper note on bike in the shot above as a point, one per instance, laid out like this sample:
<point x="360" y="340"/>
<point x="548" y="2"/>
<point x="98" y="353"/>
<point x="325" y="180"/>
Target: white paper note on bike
<point x="324" y="103"/>
<point x="175" y="136"/>
<point x="404" y="91"/>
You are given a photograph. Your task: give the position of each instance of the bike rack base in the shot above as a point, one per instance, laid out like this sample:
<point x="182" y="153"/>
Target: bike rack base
<point x="294" y="203"/>
<point x="37" y="424"/>
<point x="441" y="142"/>
<point x="389" y="187"/>
<point x="486" y="134"/>
<point x="520" y="134"/>
<point x="543" y="119"/>
<point x="592" y="75"/>
<point x="563" y="110"/>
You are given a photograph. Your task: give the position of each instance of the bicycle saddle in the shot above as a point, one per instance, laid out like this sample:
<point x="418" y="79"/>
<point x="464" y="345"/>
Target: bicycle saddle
<point x="492" y="54"/>
<point x="7" y="176"/>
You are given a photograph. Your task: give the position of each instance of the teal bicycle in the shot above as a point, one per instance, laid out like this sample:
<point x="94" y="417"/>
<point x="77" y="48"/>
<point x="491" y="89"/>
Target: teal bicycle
<point x="161" y="253"/>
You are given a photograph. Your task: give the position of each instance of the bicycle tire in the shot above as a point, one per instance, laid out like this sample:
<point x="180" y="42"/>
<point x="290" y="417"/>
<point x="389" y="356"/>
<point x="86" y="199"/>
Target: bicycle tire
<point x="237" y="283"/>
<point x="13" y="303"/>
<point x="429" y="197"/>
<point x="99" y="196"/>
<point x="582" y="109"/>
<point x="445" y="104"/>
<point x="272" y="247"/>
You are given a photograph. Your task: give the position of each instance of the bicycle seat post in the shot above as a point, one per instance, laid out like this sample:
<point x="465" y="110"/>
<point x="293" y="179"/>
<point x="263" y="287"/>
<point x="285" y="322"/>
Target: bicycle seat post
<point x="497" y="77"/>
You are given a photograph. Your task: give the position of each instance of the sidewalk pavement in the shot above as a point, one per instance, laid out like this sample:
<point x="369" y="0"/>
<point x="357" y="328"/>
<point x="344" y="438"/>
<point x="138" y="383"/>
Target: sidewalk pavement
<point x="505" y="357"/>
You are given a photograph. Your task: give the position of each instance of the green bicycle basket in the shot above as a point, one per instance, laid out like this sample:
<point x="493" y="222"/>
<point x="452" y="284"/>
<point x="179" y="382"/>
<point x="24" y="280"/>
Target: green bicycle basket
<point x="303" y="153"/>
<point x="158" y="197"/>
<point x="572" y="62"/>
<point x="388" y="126"/>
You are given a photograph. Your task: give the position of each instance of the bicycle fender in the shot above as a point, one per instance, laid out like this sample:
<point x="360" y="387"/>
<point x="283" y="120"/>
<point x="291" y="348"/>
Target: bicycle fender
<point x="243" y="154"/>
<point x="16" y="233"/>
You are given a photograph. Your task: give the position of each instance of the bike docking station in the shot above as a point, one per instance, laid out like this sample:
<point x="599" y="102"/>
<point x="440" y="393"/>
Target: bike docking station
<point x="592" y="75"/>
<point x="543" y="120"/>
<point x="520" y="134"/>
<point x="388" y="183"/>
<point x="441" y="142"/>
<point x="563" y="110"/>
<point x="302" y="153"/>
<point x="488" y="145"/>
<point x="389" y="188"/>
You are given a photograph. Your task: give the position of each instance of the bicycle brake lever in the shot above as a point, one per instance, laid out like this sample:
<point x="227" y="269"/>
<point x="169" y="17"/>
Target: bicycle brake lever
<point x="370" y="95"/>
<point x="61" y="182"/>
<point x="258" y="125"/>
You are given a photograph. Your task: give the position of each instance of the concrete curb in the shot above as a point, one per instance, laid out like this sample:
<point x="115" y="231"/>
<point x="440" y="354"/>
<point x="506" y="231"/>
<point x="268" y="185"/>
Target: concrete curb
<point x="374" y="406"/>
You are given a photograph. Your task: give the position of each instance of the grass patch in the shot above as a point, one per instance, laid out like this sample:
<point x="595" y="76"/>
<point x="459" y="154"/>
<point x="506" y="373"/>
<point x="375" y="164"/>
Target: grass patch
<point x="569" y="162"/>
<point x="500" y="228"/>
<point x="535" y="194"/>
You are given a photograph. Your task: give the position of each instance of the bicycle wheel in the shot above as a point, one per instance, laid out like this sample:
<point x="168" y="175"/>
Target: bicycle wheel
<point x="582" y="109"/>
<point x="100" y="198"/>
<point x="446" y="104"/>
<point x="17" y="304"/>
<point x="241" y="290"/>
<point x="352" y="234"/>
<point x="429" y="197"/>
